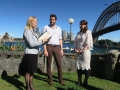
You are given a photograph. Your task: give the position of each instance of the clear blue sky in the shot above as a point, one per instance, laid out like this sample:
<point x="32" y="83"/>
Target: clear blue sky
<point x="14" y="14"/>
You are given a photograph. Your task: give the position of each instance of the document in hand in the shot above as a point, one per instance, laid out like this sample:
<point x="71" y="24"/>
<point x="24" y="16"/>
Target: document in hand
<point x="45" y="35"/>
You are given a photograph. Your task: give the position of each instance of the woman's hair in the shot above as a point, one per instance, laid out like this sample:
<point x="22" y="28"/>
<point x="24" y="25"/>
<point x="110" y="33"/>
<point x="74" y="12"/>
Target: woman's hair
<point x="28" y="24"/>
<point x="83" y="22"/>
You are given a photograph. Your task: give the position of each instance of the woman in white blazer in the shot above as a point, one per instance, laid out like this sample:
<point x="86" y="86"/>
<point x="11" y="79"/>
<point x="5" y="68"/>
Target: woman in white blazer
<point x="31" y="50"/>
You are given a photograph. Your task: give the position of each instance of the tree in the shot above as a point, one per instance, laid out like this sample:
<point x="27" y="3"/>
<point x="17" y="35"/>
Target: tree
<point x="115" y="43"/>
<point x="101" y="42"/>
<point x="104" y="42"/>
<point x="109" y="42"/>
<point x="118" y="44"/>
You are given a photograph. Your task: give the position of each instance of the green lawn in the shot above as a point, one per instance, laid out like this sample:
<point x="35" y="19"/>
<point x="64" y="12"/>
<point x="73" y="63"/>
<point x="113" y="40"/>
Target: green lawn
<point x="17" y="82"/>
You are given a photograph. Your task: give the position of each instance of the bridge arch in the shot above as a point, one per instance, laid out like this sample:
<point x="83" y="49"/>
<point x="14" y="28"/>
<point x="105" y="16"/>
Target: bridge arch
<point x="101" y="27"/>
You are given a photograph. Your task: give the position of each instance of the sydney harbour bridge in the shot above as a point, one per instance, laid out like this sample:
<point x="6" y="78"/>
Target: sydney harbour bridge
<point x="108" y="21"/>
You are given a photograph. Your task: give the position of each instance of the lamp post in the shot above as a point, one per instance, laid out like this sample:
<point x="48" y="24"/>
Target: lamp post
<point x="71" y="21"/>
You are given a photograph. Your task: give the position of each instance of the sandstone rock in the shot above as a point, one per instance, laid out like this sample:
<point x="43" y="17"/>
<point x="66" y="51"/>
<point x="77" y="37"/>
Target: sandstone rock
<point x="111" y="62"/>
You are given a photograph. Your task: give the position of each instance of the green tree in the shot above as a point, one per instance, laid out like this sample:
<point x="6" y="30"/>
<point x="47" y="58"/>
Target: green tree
<point x="118" y="44"/>
<point x="109" y="42"/>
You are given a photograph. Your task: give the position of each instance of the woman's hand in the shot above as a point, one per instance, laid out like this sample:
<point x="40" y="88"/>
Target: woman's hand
<point x="45" y="40"/>
<point x="77" y="51"/>
<point x="81" y="51"/>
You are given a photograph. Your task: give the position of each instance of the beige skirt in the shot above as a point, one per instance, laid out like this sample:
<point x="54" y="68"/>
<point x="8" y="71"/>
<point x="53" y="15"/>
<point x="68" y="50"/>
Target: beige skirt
<point x="82" y="61"/>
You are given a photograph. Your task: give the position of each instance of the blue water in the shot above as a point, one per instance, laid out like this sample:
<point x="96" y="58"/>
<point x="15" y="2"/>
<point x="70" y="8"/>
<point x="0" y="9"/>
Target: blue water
<point x="99" y="50"/>
<point x="95" y="49"/>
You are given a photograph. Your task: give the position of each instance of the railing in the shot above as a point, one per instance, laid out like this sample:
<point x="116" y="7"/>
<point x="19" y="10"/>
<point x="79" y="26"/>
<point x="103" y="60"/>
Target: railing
<point x="19" y="54"/>
<point x="13" y="54"/>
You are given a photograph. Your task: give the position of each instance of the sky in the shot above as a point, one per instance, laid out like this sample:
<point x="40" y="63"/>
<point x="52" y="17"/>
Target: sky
<point x="14" y="15"/>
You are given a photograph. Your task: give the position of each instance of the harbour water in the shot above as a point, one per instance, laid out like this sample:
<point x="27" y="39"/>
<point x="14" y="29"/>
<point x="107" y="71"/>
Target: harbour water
<point x="96" y="49"/>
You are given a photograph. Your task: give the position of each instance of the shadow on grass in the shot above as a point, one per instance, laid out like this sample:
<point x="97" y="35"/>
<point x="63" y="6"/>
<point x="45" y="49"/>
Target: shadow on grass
<point x="39" y="77"/>
<point x="59" y="88"/>
<point x="65" y="79"/>
<point x="89" y="87"/>
<point x="53" y="76"/>
<point x="45" y="78"/>
<point x="12" y="80"/>
<point x="45" y="74"/>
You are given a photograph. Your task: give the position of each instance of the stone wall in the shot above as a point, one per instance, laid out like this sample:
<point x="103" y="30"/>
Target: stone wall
<point x="13" y="62"/>
<point x="103" y="66"/>
<point x="112" y="66"/>
<point x="98" y="65"/>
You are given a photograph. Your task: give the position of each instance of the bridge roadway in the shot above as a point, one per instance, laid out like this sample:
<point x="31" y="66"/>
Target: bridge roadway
<point x="106" y="30"/>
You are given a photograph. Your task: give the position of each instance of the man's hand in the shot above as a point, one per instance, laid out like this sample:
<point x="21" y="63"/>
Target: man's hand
<point x="61" y="52"/>
<point x="46" y="53"/>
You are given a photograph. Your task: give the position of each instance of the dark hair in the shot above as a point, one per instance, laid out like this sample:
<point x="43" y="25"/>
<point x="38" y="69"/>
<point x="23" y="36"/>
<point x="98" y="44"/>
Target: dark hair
<point x="84" y="22"/>
<point x="53" y="15"/>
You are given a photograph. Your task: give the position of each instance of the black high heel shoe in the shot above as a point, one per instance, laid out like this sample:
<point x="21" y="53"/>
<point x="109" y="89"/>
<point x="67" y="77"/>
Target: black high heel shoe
<point x="79" y="83"/>
<point x="85" y="84"/>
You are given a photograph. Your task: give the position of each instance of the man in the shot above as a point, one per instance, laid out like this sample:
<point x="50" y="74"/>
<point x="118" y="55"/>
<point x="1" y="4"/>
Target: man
<point x="54" y="48"/>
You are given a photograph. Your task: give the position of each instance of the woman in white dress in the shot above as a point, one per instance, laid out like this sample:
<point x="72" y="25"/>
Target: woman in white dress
<point x="83" y="44"/>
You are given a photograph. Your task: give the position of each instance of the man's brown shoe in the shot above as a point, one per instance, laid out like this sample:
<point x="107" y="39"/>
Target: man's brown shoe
<point x="50" y="82"/>
<point x="61" y="82"/>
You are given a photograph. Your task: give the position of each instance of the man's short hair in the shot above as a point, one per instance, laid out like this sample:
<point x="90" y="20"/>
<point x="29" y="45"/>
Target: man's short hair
<point x="53" y="15"/>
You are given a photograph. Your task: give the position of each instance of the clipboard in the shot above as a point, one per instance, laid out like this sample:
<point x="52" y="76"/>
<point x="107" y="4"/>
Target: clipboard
<point x="45" y="35"/>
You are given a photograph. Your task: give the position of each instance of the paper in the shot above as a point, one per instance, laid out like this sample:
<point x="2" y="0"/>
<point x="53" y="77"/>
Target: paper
<point x="45" y="35"/>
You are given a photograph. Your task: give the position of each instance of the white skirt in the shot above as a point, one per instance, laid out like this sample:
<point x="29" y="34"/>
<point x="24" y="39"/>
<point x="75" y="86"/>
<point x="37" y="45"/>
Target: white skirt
<point x="83" y="60"/>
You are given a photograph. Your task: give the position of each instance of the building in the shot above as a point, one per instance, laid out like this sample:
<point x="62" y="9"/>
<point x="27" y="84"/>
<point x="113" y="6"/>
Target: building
<point x="68" y="35"/>
<point x="72" y="36"/>
<point x="6" y="38"/>
<point x="37" y="31"/>
<point x="64" y="35"/>
<point x="0" y="38"/>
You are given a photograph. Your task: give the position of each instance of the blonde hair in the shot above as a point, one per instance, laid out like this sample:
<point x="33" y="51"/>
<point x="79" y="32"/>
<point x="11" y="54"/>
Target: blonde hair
<point x="28" y="24"/>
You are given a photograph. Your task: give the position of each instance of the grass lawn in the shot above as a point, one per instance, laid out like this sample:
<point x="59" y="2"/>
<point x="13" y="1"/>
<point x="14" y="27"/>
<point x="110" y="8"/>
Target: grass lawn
<point x="17" y="82"/>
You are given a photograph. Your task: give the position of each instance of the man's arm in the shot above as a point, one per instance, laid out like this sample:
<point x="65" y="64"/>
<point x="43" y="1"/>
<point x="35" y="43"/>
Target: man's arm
<point x="44" y="46"/>
<point x="45" y="49"/>
<point x="61" y="44"/>
<point x="61" y="47"/>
